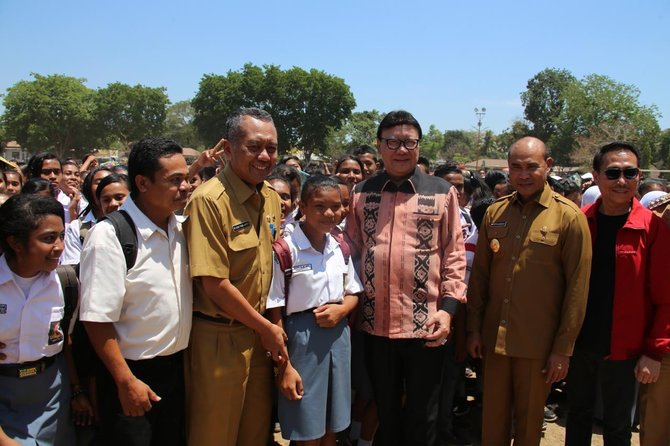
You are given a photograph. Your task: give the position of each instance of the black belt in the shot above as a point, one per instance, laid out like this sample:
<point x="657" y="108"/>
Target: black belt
<point x="309" y="310"/>
<point x="218" y="320"/>
<point x="27" y="369"/>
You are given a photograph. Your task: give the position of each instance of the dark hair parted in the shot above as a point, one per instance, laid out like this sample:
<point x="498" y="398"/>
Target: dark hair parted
<point x="612" y="147"/>
<point x="36" y="185"/>
<point x="315" y="183"/>
<point x="347" y="157"/>
<point x="494" y="177"/>
<point x="395" y="118"/>
<point x="144" y="158"/>
<point x="87" y="189"/>
<point x="234" y="122"/>
<point x="34" y="166"/>
<point x="111" y="179"/>
<point x="22" y="214"/>
<point x="445" y="169"/>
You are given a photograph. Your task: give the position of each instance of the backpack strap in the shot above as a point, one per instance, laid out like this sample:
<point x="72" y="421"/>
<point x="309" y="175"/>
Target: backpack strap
<point x="283" y="253"/>
<point x="126" y="233"/>
<point x="84" y="227"/>
<point x="70" y="286"/>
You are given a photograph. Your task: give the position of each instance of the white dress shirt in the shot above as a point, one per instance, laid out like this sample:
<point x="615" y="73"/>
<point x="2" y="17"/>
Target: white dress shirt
<point x="150" y="305"/>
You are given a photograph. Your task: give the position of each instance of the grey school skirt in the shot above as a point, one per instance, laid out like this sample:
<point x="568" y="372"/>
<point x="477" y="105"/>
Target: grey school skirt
<point x="322" y="357"/>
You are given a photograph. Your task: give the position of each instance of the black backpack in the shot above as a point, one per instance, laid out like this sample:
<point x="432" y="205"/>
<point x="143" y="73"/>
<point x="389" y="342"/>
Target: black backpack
<point x="125" y="232"/>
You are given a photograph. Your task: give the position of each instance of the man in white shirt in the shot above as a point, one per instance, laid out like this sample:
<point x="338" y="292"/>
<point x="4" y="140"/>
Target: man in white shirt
<point x="138" y="319"/>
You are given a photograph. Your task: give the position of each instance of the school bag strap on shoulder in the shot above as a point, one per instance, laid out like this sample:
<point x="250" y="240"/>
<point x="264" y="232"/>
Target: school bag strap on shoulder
<point x="125" y="232"/>
<point x="70" y="286"/>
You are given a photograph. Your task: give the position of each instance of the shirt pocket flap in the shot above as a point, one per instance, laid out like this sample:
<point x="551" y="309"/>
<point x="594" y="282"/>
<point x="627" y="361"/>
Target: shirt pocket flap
<point x="243" y="240"/>
<point x="544" y="237"/>
<point x="497" y="232"/>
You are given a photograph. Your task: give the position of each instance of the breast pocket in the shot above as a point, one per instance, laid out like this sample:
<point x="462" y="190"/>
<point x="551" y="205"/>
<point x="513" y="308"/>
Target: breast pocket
<point x="243" y="248"/>
<point x="543" y="245"/>
<point x="427" y="230"/>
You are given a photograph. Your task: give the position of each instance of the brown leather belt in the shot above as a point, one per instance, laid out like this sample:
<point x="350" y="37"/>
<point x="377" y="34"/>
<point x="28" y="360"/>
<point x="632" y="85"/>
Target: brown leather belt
<point x="27" y="369"/>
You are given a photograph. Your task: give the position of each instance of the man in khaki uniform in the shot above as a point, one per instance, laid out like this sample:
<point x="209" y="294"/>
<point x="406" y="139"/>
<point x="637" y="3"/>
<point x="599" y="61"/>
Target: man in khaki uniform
<point x="527" y="296"/>
<point x="232" y="221"/>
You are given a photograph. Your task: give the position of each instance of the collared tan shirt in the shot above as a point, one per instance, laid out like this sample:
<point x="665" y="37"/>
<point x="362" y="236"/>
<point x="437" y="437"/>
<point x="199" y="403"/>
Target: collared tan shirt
<point x="529" y="284"/>
<point x="230" y="230"/>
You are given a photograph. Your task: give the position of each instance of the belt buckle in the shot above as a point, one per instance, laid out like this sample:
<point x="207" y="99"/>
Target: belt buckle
<point x="27" y="372"/>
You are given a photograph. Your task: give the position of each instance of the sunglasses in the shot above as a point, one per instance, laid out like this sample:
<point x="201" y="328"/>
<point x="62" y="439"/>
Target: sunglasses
<point x="629" y="173"/>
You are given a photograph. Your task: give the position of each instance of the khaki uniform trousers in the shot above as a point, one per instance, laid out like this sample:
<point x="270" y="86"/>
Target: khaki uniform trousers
<point x="655" y="409"/>
<point x="513" y="386"/>
<point x="228" y="386"/>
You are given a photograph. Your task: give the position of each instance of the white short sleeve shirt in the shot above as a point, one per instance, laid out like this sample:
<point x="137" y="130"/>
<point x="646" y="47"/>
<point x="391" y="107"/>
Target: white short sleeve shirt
<point x="317" y="278"/>
<point x="30" y="325"/>
<point x="150" y="305"/>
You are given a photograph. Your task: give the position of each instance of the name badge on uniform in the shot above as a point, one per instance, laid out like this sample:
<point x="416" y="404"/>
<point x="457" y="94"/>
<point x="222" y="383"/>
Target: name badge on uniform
<point x="302" y="268"/>
<point x="3" y="308"/>
<point x="498" y="224"/>
<point x="241" y="226"/>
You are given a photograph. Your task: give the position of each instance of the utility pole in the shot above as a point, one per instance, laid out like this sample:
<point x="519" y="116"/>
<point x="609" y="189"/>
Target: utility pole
<point x="480" y="114"/>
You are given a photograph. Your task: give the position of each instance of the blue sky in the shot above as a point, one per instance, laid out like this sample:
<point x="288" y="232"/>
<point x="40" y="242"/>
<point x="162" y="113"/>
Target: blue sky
<point x="437" y="59"/>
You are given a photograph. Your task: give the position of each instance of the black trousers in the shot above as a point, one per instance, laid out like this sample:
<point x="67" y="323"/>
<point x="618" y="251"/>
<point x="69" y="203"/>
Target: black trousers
<point x="405" y="368"/>
<point x="164" y="424"/>
<point x="617" y="385"/>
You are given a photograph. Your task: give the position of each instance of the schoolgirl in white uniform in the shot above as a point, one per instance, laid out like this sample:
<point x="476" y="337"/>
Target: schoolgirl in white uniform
<point x="315" y="381"/>
<point x="34" y="390"/>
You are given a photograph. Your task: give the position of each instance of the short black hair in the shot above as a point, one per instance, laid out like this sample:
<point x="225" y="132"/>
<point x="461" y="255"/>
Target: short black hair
<point x="21" y="214"/>
<point x="290" y="157"/>
<point x="13" y="172"/>
<point x="317" y="182"/>
<point x="111" y="179"/>
<point x="424" y="162"/>
<point x="34" y="166"/>
<point x="365" y="149"/>
<point x="36" y="185"/>
<point x="650" y="184"/>
<point x="288" y="172"/>
<point x="395" y="118"/>
<point x="445" y="169"/>
<point x="144" y="158"/>
<point x="348" y="157"/>
<point x="234" y="122"/>
<point x="611" y="147"/>
<point x="479" y="207"/>
<point x="494" y="177"/>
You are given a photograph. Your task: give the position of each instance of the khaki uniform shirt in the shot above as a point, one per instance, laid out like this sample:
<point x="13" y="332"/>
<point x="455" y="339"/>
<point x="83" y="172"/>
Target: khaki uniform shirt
<point x="230" y="229"/>
<point x="529" y="284"/>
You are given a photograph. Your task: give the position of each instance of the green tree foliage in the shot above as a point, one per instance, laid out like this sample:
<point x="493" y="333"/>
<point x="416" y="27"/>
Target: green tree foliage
<point x="305" y="105"/>
<point x="460" y="146"/>
<point x="49" y="113"/>
<point x="432" y="143"/>
<point x="575" y="116"/>
<point x="359" y="129"/>
<point x="179" y="125"/>
<point x="127" y="113"/>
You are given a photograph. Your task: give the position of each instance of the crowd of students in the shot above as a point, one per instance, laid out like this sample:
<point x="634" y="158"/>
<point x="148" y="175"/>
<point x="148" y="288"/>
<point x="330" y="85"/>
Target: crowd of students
<point x="58" y="381"/>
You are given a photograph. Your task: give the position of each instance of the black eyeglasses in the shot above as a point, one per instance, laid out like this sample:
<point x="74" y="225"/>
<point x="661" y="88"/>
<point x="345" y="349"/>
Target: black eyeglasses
<point x="629" y="173"/>
<point x="394" y="144"/>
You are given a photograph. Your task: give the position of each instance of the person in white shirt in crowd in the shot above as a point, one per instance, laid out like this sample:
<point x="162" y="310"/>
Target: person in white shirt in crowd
<point x="76" y="231"/>
<point x="139" y="318"/>
<point x="34" y="388"/>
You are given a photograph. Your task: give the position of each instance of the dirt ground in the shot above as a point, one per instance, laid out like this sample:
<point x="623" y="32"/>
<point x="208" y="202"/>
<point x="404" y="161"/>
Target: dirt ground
<point x="554" y="435"/>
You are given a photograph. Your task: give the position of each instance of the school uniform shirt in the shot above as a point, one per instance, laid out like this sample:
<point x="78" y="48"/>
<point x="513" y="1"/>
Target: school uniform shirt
<point x="72" y="242"/>
<point x="150" y="304"/>
<point x="30" y="324"/>
<point x="317" y="278"/>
